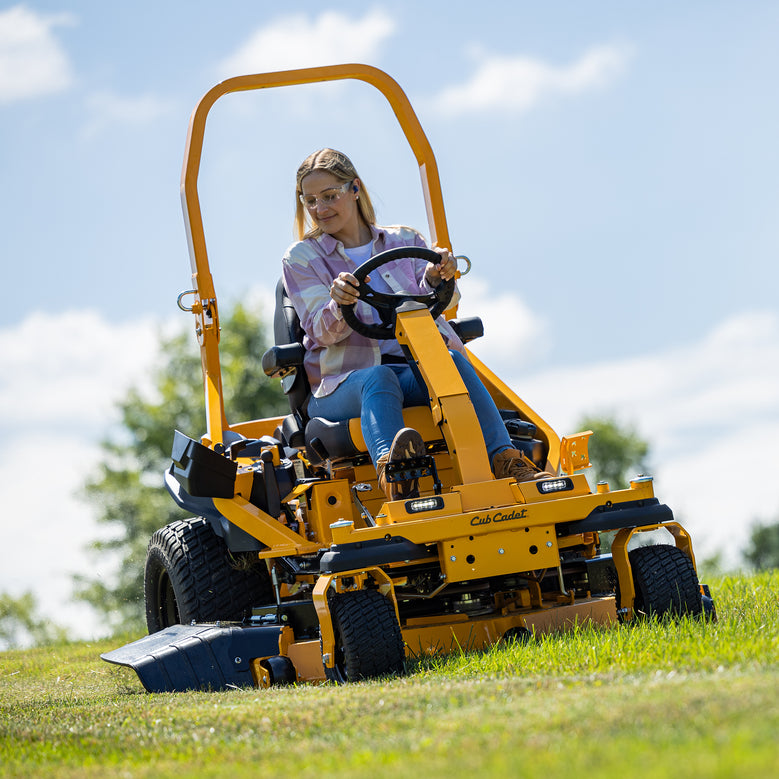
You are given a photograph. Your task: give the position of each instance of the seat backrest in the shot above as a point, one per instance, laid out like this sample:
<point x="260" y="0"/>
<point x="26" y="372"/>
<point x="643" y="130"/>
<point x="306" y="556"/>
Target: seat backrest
<point x="286" y="323"/>
<point x="287" y="330"/>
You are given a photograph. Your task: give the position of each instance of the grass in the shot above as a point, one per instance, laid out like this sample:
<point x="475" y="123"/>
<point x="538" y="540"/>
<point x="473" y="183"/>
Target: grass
<point x="687" y="698"/>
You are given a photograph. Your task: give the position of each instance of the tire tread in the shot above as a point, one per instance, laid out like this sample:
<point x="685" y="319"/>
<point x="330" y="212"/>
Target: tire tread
<point x="207" y="583"/>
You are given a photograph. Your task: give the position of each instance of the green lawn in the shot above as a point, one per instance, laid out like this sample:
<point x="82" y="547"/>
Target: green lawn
<point x="686" y="699"/>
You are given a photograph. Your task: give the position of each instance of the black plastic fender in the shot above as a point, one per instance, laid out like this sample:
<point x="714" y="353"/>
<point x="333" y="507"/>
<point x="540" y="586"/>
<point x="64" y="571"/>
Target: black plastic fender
<point x="197" y="657"/>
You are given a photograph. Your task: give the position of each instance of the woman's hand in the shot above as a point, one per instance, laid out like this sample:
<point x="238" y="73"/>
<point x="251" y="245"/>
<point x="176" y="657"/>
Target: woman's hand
<point x="343" y="290"/>
<point x="443" y="270"/>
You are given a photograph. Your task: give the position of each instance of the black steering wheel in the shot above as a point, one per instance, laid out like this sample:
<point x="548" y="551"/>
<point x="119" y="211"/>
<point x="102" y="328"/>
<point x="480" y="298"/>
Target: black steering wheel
<point x="386" y="303"/>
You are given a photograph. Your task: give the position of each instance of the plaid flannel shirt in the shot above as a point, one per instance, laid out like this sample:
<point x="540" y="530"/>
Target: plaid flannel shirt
<point x="333" y="349"/>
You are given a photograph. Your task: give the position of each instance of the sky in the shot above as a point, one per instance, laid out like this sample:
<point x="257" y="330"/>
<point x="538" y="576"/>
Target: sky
<point x="609" y="168"/>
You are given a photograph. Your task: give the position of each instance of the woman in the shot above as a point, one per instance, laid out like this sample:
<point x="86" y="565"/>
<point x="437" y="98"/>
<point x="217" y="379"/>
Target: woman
<point x="351" y="375"/>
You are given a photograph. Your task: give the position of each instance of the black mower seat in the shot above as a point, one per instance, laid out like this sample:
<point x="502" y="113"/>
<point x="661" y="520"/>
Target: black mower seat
<point x="322" y="438"/>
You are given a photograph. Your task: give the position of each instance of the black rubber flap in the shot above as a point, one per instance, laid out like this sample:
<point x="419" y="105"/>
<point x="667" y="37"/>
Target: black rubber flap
<point x="378" y="551"/>
<point x="634" y="513"/>
<point x="197" y="657"/>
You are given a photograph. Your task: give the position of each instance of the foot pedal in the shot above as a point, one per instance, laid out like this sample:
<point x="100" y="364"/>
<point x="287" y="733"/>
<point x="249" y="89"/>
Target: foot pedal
<point x="413" y="468"/>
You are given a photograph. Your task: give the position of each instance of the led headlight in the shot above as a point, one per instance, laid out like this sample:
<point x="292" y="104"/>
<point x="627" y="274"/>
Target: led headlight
<point x="554" y="485"/>
<point x="418" y="505"/>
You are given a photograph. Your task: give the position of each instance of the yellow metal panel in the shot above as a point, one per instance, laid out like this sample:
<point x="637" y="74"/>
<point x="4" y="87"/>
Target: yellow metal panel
<point x="465" y="440"/>
<point x="257" y="428"/>
<point x="260" y="674"/>
<point x="331" y="501"/>
<point x="599" y="611"/>
<point x="498" y="553"/>
<point x="449" y="398"/>
<point x="443" y="634"/>
<point x="422" y="530"/>
<point x="437" y="637"/>
<point x="306" y="656"/>
<point x="418" y="417"/>
<point x="528" y="491"/>
<point x="269" y="530"/>
<point x="486" y="494"/>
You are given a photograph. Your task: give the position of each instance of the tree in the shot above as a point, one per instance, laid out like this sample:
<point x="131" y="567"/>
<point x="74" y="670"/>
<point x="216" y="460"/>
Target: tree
<point x="20" y="623"/>
<point x="762" y="551"/>
<point x="616" y="452"/>
<point x="127" y="487"/>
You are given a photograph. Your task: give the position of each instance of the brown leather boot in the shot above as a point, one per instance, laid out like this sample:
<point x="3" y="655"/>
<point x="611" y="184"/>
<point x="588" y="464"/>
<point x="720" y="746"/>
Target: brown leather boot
<point x="512" y="464"/>
<point x="406" y="445"/>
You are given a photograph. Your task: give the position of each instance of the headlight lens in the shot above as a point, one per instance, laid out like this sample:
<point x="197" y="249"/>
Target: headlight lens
<point x="554" y="485"/>
<point x="418" y="505"/>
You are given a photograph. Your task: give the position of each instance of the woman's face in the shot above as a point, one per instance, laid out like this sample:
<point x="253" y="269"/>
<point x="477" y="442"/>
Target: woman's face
<point x="340" y="216"/>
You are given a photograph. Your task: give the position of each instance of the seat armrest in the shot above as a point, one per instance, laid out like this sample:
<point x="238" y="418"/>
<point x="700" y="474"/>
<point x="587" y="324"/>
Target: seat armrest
<point x="468" y="328"/>
<point x="278" y="361"/>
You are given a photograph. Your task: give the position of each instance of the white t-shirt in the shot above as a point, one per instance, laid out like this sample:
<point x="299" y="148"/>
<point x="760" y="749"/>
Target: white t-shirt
<point x="359" y="255"/>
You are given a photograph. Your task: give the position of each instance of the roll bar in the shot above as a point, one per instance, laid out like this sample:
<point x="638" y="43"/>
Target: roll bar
<point x="204" y="306"/>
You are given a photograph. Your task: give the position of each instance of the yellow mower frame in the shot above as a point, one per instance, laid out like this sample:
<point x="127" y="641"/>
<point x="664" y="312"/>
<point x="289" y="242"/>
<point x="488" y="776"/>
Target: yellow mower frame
<point x="528" y="551"/>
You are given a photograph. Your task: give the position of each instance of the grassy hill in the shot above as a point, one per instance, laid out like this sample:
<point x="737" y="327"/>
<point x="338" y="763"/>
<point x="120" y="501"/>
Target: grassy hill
<point x="685" y="699"/>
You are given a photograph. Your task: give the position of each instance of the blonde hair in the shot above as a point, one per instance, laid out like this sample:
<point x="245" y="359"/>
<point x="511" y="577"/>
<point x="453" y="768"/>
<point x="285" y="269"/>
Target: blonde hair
<point x="341" y="167"/>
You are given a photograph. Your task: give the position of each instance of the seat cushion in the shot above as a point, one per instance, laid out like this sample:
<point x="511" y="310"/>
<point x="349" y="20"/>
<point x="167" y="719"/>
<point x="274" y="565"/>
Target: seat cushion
<point x="344" y="440"/>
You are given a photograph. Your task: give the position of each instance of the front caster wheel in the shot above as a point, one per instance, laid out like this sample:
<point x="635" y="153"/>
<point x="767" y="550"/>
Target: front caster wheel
<point x="665" y="582"/>
<point x="368" y="641"/>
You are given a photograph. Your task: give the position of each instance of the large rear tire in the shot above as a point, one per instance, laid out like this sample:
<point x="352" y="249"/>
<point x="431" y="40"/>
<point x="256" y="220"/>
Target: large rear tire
<point x="665" y="582"/>
<point x="368" y="641"/>
<point x="191" y="575"/>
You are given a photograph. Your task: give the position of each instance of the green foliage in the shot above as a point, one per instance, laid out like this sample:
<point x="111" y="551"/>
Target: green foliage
<point x="127" y="488"/>
<point x="686" y="699"/>
<point x="20" y="623"/>
<point x="762" y="552"/>
<point x="616" y="452"/>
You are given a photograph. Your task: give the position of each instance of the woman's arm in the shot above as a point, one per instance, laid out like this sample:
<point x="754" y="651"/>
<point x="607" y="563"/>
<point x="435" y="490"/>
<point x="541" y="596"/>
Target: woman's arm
<point x="320" y="316"/>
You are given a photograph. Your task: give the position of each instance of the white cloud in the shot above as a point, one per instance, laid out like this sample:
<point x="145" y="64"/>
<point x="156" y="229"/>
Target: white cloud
<point x="66" y="371"/>
<point x="32" y="60"/>
<point x="515" y="84"/>
<point x="512" y="331"/>
<point x="62" y="375"/>
<point x="297" y="41"/>
<point x="48" y="527"/>
<point x="106" y="109"/>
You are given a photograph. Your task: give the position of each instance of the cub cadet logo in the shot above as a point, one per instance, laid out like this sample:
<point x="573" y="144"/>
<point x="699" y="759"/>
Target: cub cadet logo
<point x="499" y="517"/>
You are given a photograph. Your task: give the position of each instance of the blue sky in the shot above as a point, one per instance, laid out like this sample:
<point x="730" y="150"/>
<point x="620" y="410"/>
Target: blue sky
<point x="609" y="167"/>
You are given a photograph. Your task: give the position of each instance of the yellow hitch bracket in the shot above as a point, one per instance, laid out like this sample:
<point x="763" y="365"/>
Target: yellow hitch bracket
<point x="574" y="454"/>
<point x="258" y="665"/>
<point x="260" y="673"/>
<point x="627" y="589"/>
<point x="319" y="596"/>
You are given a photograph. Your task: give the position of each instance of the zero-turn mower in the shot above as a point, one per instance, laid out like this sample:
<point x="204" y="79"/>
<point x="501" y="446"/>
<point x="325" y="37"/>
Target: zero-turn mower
<point x="295" y="567"/>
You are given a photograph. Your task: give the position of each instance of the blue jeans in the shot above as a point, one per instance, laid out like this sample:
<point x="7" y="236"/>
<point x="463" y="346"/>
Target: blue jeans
<point x="378" y="395"/>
